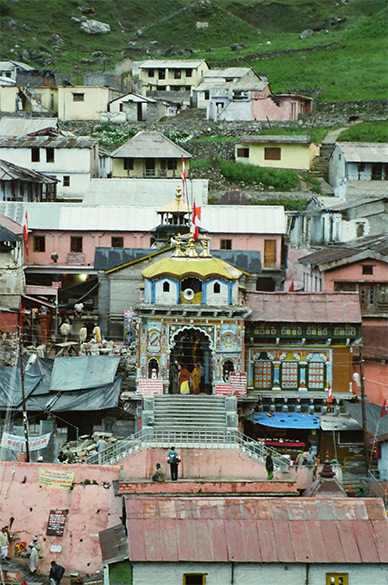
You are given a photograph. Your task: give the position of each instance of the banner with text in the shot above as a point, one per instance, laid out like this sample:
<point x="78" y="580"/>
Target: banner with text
<point x="55" y="478"/>
<point x="17" y="443"/>
<point x="150" y="386"/>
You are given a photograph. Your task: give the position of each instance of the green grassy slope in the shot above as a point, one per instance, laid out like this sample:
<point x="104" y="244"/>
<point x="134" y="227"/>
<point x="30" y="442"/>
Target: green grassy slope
<point x="355" y="67"/>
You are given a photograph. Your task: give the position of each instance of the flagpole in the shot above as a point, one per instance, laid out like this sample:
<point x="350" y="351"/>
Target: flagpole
<point x="363" y="410"/>
<point x="374" y="443"/>
<point x="25" y="420"/>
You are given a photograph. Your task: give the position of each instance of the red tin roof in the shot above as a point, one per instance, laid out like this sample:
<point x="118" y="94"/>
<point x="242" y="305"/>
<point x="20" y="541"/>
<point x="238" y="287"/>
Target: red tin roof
<point x="304" y="307"/>
<point x="257" y="530"/>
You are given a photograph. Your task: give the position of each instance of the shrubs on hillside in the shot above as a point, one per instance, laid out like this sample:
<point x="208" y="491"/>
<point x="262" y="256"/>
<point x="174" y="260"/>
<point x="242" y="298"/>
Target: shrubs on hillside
<point x="279" y="179"/>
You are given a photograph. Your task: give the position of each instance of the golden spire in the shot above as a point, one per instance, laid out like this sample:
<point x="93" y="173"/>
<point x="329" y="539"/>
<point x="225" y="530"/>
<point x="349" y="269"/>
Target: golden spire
<point x="205" y="248"/>
<point x="191" y="252"/>
<point x="178" y="252"/>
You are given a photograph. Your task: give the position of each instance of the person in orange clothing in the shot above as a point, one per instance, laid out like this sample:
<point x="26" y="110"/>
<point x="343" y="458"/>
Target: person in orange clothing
<point x="196" y="379"/>
<point x="184" y="378"/>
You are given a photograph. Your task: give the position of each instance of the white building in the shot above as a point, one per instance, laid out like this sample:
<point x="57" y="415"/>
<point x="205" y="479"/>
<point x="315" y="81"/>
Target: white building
<point x="74" y="161"/>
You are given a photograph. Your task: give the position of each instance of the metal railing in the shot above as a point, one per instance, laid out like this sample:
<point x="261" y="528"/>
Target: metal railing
<point x="187" y="439"/>
<point x="375" y="488"/>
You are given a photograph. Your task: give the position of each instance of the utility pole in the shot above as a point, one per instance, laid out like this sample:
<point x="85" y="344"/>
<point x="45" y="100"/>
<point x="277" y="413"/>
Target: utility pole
<point x="363" y="410"/>
<point x="25" y="420"/>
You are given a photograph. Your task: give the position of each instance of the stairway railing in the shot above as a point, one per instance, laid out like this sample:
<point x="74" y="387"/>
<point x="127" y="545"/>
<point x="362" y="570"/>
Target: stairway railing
<point x="187" y="439"/>
<point x="376" y="488"/>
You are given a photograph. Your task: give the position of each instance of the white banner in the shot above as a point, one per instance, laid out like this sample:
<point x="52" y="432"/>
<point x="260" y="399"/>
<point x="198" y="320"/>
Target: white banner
<point x="17" y="443"/>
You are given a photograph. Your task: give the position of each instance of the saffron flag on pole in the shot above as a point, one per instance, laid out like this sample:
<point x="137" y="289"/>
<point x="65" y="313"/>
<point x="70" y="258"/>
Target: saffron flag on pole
<point x="183" y="177"/>
<point x="329" y="394"/>
<point x="384" y="409"/>
<point x="291" y="289"/>
<point x="25" y="236"/>
<point x="196" y="218"/>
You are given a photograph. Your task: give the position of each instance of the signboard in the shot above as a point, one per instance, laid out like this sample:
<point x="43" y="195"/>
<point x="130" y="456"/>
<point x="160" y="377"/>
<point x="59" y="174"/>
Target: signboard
<point x="238" y="382"/>
<point x="236" y="387"/>
<point x="55" y="478"/>
<point x="17" y="443"/>
<point x="56" y="522"/>
<point x="150" y="386"/>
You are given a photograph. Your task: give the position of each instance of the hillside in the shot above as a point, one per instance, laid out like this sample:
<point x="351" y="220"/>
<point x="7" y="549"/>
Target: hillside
<point x="345" y="56"/>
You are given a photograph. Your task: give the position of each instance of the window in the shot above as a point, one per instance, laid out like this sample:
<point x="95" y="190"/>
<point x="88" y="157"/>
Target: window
<point x="272" y="153"/>
<point x="316" y="376"/>
<point x="243" y="153"/>
<point x="194" y="579"/>
<point x="117" y="242"/>
<point x="39" y="243"/>
<point x="35" y="154"/>
<point x="263" y="374"/>
<point x="360" y="230"/>
<point x="336" y="579"/>
<point x="162" y="74"/>
<point x="128" y="164"/>
<point x="75" y="244"/>
<point x="206" y="96"/>
<point x="225" y="244"/>
<point x="216" y="288"/>
<point x="171" y="164"/>
<point x="150" y="73"/>
<point x="289" y="375"/>
<point x="49" y="155"/>
<point x="367" y="269"/>
<point x="177" y="74"/>
<point x="189" y="72"/>
<point x="166" y="286"/>
<point x="78" y="97"/>
<point x="66" y="181"/>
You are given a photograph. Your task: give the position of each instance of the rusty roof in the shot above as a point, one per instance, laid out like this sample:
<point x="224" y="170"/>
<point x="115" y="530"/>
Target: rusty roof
<point x="11" y="172"/>
<point x="114" y="544"/>
<point x="47" y="142"/>
<point x="375" y="246"/>
<point x="304" y="307"/>
<point x="257" y="530"/>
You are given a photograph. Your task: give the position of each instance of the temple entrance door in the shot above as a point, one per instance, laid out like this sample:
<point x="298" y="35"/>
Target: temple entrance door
<point x="191" y="346"/>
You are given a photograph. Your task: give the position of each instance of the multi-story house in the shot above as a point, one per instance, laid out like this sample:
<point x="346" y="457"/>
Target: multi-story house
<point x="171" y="75"/>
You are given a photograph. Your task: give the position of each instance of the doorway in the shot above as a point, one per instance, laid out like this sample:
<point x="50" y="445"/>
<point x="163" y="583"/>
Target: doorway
<point x="191" y="346"/>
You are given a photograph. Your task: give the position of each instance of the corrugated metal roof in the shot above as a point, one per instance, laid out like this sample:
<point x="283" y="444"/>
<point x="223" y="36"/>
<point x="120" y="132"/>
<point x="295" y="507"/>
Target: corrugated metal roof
<point x="238" y="219"/>
<point x="366" y="152"/>
<point x="114" y="544"/>
<point x="11" y="225"/>
<point x="11" y="172"/>
<point x="375" y="245"/>
<point x="304" y="307"/>
<point x="257" y="530"/>
<point x="150" y="145"/>
<point x="24" y="126"/>
<point x="46" y="142"/>
<point x="171" y="64"/>
<point x="339" y="423"/>
<point x="282" y="139"/>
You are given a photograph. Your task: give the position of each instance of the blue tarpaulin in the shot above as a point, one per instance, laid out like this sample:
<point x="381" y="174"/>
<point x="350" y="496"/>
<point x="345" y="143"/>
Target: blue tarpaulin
<point x="286" y="420"/>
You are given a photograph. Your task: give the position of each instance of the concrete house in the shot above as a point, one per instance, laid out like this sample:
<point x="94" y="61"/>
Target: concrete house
<point x="359" y="168"/>
<point x="172" y="75"/>
<point x="277" y="152"/>
<point x="135" y="108"/>
<point x="328" y="220"/>
<point x="82" y="102"/>
<point x="20" y="98"/>
<point x="73" y="161"/>
<point x="148" y="155"/>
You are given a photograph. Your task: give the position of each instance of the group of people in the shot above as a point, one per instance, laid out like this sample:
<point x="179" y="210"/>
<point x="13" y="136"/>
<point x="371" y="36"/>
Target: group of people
<point x="173" y="459"/>
<point x="190" y="382"/>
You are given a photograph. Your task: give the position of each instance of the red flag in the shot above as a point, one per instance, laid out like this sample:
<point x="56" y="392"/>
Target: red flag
<point x="183" y="177"/>
<point x="384" y="409"/>
<point x="25" y="236"/>
<point x="291" y="289"/>
<point x="329" y="394"/>
<point x="196" y="217"/>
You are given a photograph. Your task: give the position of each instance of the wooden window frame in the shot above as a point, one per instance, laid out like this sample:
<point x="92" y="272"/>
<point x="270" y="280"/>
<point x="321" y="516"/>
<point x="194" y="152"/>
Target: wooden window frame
<point x="203" y="575"/>
<point x="66" y="180"/>
<point x="74" y="244"/>
<point x="39" y="243"/>
<point x="117" y="242"/>
<point x="35" y="154"/>
<point x="272" y="153"/>
<point x="225" y="244"/>
<point x="78" y="97"/>
<point x="128" y="164"/>
<point x="50" y="155"/>
<point x="243" y="152"/>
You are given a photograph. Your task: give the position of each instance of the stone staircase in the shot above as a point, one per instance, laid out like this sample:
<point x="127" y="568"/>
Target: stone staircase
<point x="321" y="163"/>
<point x="202" y="412"/>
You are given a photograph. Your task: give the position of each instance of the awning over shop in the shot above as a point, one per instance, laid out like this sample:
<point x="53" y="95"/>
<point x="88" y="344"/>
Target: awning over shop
<point x="77" y="373"/>
<point x="339" y="423"/>
<point x="286" y="420"/>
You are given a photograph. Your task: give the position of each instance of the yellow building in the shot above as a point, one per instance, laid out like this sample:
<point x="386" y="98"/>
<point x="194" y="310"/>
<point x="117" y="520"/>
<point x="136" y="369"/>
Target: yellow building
<point x="171" y="75"/>
<point x="84" y="102"/>
<point x="148" y="155"/>
<point x="278" y="152"/>
<point x="16" y="98"/>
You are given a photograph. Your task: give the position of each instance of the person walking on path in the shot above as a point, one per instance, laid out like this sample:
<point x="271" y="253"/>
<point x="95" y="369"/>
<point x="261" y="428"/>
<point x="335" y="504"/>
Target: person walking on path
<point x="269" y="466"/>
<point x="56" y="573"/>
<point x="159" y="475"/>
<point x="34" y="549"/>
<point x="173" y="458"/>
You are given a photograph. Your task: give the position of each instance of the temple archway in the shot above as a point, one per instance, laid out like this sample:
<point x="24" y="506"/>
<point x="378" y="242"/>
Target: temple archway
<point x="190" y="346"/>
